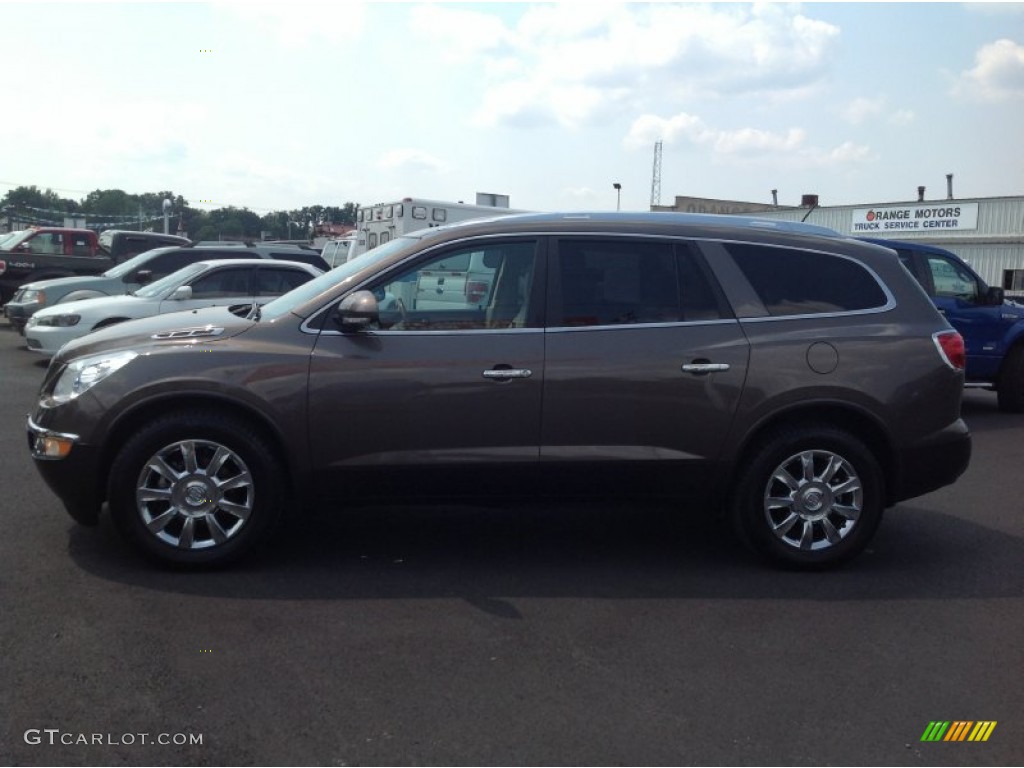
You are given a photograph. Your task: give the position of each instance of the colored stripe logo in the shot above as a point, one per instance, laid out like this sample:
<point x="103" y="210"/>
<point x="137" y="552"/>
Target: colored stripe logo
<point x="958" y="730"/>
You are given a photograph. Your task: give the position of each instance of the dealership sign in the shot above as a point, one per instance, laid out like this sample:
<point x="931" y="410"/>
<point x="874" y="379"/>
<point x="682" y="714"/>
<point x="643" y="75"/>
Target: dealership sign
<point x="915" y="218"/>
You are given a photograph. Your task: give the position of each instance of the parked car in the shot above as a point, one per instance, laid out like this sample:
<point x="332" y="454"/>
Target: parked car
<point x="138" y="271"/>
<point x="338" y="250"/>
<point x="248" y="282"/>
<point x="796" y="381"/>
<point x="41" y="253"/>
<point x="122" y="244"/>
<point x="992" y="326"/>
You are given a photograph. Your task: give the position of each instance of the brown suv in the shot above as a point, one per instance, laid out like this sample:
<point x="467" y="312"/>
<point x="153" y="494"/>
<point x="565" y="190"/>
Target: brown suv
<point x="798" y="381"/>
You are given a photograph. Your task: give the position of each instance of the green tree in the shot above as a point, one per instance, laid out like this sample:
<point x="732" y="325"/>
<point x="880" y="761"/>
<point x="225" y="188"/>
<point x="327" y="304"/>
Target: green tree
<point x="29" y="203"/>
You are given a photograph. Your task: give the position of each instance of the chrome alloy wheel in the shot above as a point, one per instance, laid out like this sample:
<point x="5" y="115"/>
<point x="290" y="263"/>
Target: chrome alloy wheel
<point x="195" y="494"/>
<point x="813" y="500"/>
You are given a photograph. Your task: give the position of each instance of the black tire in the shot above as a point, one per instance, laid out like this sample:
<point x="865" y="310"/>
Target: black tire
<point x="825" y="513"/>
<point x="183" y="514"/>
<point x="1010" y="388"/>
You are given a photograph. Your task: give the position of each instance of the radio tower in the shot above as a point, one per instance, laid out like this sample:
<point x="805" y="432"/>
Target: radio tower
<point x="656" y="176"/>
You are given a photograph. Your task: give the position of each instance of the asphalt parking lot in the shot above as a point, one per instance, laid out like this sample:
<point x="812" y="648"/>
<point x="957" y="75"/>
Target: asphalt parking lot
<point x="526" y="635"/>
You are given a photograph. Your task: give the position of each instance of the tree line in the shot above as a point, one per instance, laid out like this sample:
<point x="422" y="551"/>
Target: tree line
<point x="117" y="209"/>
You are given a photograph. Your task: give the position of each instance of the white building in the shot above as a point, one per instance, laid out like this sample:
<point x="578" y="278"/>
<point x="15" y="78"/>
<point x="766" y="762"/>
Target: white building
<point x="987" y="232"/>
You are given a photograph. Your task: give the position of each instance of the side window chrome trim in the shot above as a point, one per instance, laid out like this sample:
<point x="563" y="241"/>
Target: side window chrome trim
<point x="627" y="326"/>
<point x="887" y="307"/>
<point x="446" y="332"/>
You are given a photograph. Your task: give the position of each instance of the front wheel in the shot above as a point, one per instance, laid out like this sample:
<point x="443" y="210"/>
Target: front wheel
<point x="196" y="488"/>
<point x="809" y="497"/>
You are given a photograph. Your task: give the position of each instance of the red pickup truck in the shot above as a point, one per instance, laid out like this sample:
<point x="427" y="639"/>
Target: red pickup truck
<point x="46" y="252"/>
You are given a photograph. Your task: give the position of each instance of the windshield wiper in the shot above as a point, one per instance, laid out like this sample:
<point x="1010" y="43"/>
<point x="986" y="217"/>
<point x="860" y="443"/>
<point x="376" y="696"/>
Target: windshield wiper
<point x="255" y="312"/>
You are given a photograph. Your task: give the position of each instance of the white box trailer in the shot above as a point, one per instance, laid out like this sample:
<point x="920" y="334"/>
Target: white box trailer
<point x="377" y="224"/>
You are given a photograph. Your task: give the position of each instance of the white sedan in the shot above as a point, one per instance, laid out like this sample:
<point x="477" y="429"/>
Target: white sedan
<point x="202" y="284"/>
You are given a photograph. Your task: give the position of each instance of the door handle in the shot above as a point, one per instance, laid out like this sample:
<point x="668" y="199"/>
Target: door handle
<point x="508" y="373"/>
<point x="699" y="368"/>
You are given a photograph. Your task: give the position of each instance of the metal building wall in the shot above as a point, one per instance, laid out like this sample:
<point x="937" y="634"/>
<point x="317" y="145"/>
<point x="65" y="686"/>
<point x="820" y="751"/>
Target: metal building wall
<point x="996" y="245"/>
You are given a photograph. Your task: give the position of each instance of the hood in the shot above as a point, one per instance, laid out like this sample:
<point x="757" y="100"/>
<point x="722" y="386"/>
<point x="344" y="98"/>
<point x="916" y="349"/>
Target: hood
<point x="105" y="306"/>
<point x="75" y="281"/>
<point x="207" y="325"/>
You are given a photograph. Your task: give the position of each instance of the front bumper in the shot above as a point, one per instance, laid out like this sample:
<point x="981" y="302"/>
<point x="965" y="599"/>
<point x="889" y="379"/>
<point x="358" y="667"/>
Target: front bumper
<point x="18" y="314"/>
<point x="48" y="339"/>
<point x="69" y="468"/>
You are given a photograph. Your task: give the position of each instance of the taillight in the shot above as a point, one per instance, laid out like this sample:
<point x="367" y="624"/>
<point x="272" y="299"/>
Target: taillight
<point x="951" y="347"/>
<point x="476" y="291"/>
<point x="3" y="266"/>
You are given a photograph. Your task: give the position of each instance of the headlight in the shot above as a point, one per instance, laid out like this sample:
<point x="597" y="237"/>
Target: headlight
<point x="86" y="372"/>
<point x="29" y="295"/>
<point x="55" y="321"/>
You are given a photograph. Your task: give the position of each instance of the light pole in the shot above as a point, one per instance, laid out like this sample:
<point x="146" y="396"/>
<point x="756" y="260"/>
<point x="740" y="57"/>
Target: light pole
<point x="167" y="216"/>
<point x="618" y="195"/>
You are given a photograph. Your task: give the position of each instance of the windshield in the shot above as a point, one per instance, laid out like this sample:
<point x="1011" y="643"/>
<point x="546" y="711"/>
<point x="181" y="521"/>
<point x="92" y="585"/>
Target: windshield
<point x="166" y="284"/>
<point x="135" y="261"/>
<point x="106" y="238"/>
<point x="11" y="239"/>
<point x="284" y="304"/>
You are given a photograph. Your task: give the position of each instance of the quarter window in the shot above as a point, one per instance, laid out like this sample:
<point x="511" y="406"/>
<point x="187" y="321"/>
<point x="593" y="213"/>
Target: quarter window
<point x="794" y="282"/>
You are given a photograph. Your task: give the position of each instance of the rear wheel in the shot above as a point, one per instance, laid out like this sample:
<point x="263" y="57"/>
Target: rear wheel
<point x="809" y="497"/>
<point x="1010" y="388"/>
<point x="196" y="488"/>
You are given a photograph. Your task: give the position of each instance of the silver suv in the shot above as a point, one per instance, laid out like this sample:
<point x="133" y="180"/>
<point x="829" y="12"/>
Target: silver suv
<point x="794" y="380"/>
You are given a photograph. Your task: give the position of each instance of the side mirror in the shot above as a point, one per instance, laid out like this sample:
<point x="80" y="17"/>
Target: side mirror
<point x="181" y="293"/>
<point x="995" y="296"/>
<point x="144" y="276"/>
<point x="357" y="312"/>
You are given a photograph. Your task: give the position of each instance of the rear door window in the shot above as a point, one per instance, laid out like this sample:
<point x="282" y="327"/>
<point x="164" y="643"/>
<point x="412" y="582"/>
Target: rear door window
<point x="625" y="281"/>
<point x="273" y="281"/>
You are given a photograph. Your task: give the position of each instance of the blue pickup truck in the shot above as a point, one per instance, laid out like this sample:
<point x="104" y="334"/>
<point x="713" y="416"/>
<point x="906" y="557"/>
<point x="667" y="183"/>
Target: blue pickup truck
<point x="992" y="327"/>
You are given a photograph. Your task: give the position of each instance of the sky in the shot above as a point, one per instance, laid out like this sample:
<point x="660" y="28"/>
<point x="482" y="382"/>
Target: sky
<point x="273" y="106"/>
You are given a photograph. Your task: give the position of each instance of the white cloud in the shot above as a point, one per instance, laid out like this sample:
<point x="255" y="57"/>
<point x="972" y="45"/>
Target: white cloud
<point x="411" y="160"/>
<point x="298" y="23"/>
<point x="566" y="64"/>
<point x="742" y="145"/>
<point x="998" y="74"/>
<point x="860" y="109"/>
<point x="902" y="117"/>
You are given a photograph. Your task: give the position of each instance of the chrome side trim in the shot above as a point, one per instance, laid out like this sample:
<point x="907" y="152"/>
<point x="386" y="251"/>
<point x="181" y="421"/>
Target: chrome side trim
<point x="199" y="332"/>
<point x="508" y="373"/>
<point x="817" y="315"/>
